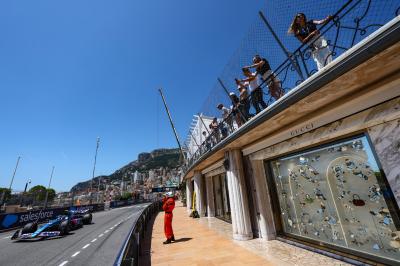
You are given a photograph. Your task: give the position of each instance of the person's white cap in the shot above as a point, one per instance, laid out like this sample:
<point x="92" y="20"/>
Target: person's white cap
<point x="169" y="194"/>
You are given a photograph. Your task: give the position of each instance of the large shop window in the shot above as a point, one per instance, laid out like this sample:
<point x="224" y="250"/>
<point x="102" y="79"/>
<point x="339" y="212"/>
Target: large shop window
<point x="337" y="195"/>
<point x="221" y="198"/>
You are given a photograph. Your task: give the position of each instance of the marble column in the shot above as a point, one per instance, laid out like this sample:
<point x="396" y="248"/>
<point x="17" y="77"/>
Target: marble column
<point x="210" y="197"/>
<point x="241" y="224"/>
<point x="266" y="217"/>
<point x="386" y="140"/>
<point x="189" y="194"/>
<point x="198" y="185"/>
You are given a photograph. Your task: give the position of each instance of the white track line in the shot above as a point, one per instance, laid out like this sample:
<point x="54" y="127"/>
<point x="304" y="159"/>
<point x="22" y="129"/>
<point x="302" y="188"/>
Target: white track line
<point x="63" y="263"/>
<point x="75" y="254"/>
<point x="85" y="246"/>
<point x="94" y="240"/>
<point x="6" y="237"/>
<point x="105" y="232"/>
<point x="101" y="235"/>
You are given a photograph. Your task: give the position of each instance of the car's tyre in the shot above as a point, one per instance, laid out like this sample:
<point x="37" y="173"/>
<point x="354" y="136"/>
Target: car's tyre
<point x="87" y="218"/>
<point x="64" y="228"/>
<point x="29" y="228"/>
<point x="79" y="224"/>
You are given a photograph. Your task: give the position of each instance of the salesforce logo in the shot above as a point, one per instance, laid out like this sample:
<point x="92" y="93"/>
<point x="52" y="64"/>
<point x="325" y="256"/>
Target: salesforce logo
<point x="36" y="216"/>
<point x="9" y="220"/>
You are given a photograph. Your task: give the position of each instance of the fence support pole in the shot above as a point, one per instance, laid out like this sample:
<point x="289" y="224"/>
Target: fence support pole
<point x="195" y="141"/>
<point x="47" y="190"/>
<point x="172" y="124"/>
<point x="202" y="121"/>
<point x="289" y="55"/>
<point x="188" y="150"/>
<point x="94" y="169"/>
<point x="12" y="181"/>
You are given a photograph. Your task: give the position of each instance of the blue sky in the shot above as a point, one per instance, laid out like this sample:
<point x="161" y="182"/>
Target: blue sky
<point x="71" y="71"/>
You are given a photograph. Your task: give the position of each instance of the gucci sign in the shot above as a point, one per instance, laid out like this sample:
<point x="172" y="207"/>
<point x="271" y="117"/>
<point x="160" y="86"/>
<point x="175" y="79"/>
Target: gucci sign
<point x="301" y="130"/>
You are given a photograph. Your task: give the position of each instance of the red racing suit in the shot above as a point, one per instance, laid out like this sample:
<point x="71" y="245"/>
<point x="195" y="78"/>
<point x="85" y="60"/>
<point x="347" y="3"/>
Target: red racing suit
<point x="168" y="206"/>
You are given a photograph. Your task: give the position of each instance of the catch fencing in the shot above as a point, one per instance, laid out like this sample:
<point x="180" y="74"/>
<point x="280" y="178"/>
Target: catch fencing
<point x="291" y="61"/>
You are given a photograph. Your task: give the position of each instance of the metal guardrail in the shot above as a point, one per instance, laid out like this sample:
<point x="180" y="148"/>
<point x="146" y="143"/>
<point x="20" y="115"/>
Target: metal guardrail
<point x="345" y="29"/>
<point x="132" y="248"/>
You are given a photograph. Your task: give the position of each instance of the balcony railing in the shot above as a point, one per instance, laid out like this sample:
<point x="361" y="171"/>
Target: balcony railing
<point x="347" y="27"/>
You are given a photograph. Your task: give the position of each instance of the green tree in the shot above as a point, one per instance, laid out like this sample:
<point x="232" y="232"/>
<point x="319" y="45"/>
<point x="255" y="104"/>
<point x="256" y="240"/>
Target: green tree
<point x="7" y="192"/>
<point x="38" y="192"/>
<point x="126" y="196"/>
<point x="52" y="194"/>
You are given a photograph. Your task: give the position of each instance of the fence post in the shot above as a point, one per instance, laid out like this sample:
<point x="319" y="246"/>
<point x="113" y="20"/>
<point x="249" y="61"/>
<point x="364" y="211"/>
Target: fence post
<point x="289" y="55"/>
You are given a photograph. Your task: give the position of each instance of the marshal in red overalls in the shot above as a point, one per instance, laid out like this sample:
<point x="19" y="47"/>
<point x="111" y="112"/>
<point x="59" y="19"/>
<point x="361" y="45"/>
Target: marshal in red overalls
<point x="168" y="207"/>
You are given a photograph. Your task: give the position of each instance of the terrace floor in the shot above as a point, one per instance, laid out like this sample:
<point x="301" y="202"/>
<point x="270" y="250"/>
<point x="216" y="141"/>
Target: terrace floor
<point x="208" y="241"/>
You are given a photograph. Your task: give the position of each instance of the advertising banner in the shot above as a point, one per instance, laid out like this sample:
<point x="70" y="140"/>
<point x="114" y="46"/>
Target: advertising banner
<point x="15" y="220"/>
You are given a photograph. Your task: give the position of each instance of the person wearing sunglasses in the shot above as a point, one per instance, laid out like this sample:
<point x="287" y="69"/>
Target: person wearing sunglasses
<point x="306" y="32"/>
<point x="267" y="76"/>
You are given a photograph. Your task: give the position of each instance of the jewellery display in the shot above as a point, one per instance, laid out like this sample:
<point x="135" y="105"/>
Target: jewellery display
<point x="333" y="195"/>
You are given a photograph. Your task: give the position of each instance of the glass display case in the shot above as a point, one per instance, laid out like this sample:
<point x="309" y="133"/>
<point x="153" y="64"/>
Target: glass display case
<point x="337" y="195"/>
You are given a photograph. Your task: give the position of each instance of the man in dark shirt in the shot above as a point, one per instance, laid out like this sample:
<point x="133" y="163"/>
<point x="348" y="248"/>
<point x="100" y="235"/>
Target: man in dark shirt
<point x="266" y="75"/>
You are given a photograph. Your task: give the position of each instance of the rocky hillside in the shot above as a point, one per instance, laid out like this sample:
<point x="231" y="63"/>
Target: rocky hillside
<point x="146" y="161"/>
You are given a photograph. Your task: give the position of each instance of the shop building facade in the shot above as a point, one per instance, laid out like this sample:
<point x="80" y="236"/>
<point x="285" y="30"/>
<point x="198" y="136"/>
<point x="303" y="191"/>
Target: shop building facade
<point x="320" y="168"/>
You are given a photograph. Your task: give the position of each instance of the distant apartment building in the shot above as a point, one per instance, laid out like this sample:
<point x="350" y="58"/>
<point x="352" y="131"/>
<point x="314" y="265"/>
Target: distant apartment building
<point x="195" y="137"/>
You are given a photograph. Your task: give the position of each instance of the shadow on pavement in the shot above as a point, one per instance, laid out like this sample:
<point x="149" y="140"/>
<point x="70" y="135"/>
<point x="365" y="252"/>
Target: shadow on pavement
<point x="145" y="252"/>
<point x="183" y="239"/>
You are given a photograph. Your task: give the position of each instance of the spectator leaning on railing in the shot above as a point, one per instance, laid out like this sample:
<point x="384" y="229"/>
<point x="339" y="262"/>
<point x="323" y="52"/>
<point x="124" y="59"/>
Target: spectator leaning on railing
<point x="266" y="75"/>
<point x="256" y="93"/>
<point x="215" y="130"/>
<point x="244" y="103"/>
<point x="225" y="117"/>
<point x="235" y="110"/>
<point x="306" y="31"/>
<point x="207" y="141"/>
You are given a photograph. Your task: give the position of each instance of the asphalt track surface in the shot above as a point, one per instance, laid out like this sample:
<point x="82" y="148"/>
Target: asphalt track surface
<point x="96" y="244"/>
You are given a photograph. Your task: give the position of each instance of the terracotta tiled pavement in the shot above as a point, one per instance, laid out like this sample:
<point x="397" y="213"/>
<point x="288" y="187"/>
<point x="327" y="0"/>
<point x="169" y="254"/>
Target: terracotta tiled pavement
<point x="207" y="241"/>
<point x="199" y="245"/>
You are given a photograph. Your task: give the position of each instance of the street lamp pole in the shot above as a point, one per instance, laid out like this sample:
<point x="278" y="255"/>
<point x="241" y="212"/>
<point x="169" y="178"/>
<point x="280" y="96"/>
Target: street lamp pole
<point x="47" y="190"/>
<point x="94" y="168"/>
<point x="98" y="190"/>
<point x="26" y="187"/>
<point x="12" y="180"/>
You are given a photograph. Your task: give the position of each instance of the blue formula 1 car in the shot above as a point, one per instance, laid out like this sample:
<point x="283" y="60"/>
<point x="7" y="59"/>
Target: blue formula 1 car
<point x="83" y="215"/>
<point x="53" y="228"/>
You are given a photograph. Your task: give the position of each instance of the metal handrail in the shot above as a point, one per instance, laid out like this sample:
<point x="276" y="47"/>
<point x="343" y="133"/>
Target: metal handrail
<point x="131" y="249"/>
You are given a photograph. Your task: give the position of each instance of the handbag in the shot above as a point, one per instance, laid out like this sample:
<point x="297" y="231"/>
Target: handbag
<point x="357" y="201"/>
